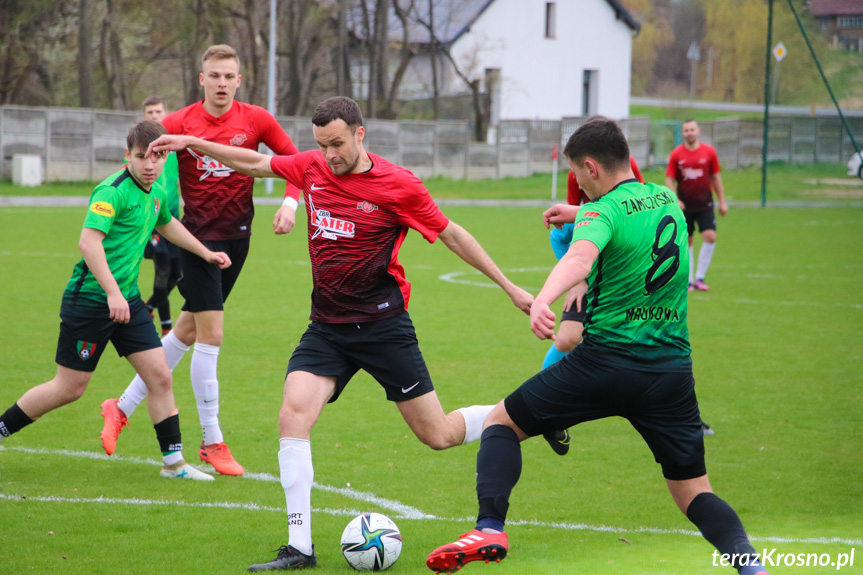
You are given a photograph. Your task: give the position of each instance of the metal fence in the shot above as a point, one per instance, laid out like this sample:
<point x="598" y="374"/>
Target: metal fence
<point x="81" y="144"/>
<point x="792" y="139"/>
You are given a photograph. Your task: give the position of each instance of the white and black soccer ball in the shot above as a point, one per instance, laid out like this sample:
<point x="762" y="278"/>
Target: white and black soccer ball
<point x="371" y="542"/>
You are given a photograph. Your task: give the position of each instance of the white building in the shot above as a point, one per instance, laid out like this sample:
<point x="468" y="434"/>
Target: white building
<point x="538" y="59"/>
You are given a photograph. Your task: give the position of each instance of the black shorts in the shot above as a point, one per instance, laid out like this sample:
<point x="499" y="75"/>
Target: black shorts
<point x="661" y="406"/>
<point x="85" y="334"/>
<point x="573" y="314"/>
<point x="706" y="220"/>
<point x="204" y="285"/>
<point x="158" y="248"/>
<point x="386" y="349"/>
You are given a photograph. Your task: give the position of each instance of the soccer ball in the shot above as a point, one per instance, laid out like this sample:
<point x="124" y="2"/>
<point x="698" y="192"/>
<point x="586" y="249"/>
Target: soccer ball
<point x="371" y="542"/>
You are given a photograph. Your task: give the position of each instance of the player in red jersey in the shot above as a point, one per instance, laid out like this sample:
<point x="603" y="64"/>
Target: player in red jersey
<point x="359" y="208"/>
<point x="693" y="171"/>
<point x="218" y="211"/>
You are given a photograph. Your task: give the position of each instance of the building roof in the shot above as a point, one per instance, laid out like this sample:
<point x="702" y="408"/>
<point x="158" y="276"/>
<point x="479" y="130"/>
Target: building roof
<point x="835" y="7"/>
<point x="453" y="18"/>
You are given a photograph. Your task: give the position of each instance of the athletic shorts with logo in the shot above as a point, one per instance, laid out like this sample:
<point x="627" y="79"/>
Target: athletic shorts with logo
<point x="661" y="406"/>
<point x="706" y="220"/>
<point x="204" y="285"/>
<point x="84" y="334"/>
<point x="387" y="349"/>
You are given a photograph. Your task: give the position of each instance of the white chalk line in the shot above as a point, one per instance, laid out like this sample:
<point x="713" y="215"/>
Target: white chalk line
<point x="401" y="510"/>
<point x="455" y="277"/>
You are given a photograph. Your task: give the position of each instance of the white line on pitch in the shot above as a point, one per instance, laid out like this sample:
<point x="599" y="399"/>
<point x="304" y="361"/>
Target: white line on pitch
<point x="403" y="511"/>
<point x="455" y="277"/>
<point x="354" y="512"/>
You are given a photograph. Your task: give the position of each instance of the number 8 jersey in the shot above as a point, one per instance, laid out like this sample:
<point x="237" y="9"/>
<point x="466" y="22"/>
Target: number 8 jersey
<point x="636" y="302"/>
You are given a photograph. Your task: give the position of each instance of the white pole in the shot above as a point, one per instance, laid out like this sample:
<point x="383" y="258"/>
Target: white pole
<point x="271" y="74"/>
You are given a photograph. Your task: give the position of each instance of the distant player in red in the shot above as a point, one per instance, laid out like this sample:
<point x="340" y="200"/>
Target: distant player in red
<point x="359" y="208"/>
<point x="218" y="211"/>
<point x="693" y="171"/>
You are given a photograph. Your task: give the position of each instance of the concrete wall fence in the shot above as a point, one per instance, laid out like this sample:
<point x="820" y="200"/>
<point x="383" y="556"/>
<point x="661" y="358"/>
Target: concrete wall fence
<point x="77" y="144"/>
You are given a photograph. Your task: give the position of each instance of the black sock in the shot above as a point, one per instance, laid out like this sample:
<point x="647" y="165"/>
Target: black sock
<point x="168" y="434"/>
<point x="498" y="467"/>
<point x="721" y="526"/>
<point x="13" y="420"/>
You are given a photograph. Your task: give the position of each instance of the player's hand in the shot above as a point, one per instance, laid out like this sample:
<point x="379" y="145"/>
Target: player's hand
<point x="681" y="205"/>
<point x="575" y="295"/>
<point x="723" y="208"/>
<point x="221" y="259"/>
<point x="284" y="220"/>
<point x="167" y="143"/>
<point x="522" y="299"/>
<point x="118" y="308"/>
<point x="559" y="214"/>
<point x="542" y="321"/>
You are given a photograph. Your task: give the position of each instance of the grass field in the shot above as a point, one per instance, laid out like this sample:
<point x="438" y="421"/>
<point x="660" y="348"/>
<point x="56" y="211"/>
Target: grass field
<point x="816" y="183"/>
<point x="777" y="353"/>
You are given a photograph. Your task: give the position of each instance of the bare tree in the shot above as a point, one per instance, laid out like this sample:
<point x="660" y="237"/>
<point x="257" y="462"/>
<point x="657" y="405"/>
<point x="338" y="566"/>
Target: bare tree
<point x="403" y="11"/>
<point x="85" y="55"/>
<point x="464" y="70"/>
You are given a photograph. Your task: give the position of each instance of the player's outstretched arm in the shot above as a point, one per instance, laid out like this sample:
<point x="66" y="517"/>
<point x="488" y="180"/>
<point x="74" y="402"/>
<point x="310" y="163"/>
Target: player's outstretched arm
<point x="559" y="214"/>
<point x="177" y="234"/>
<point x="570" y="271"/>
<point x="240" y="159"/>
<point x="465" y="246"/>
<point x="93" y="251"/>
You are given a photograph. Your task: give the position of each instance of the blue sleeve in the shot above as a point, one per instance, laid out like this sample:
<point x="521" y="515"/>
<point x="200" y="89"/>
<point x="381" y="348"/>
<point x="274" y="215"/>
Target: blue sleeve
<point x="561" y="239"/>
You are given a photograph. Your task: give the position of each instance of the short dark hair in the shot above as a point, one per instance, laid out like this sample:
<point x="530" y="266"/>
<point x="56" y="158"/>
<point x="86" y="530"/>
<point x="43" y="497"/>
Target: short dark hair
<point x="143" y="134"/>
<point x="601" y="139"/>
<point x="688" y="120"/>
<point x="338" y="108"/>
<point x="153" y="100"/>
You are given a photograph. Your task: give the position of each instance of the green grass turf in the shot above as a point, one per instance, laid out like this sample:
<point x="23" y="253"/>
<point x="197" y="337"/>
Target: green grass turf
<point x="786" y="182"/>
<point x="777" y="359"/>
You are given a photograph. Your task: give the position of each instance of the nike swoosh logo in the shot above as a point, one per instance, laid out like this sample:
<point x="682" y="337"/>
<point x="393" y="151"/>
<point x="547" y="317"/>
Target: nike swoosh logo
<point x="405" y="390"/>
<point x="316" y="188"/>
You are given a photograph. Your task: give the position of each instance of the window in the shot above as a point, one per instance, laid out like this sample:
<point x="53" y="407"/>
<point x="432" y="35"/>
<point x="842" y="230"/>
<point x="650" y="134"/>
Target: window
<point x="550" y="20"/>
<point x="851" y="21"/>
<point x="589" y="92"/>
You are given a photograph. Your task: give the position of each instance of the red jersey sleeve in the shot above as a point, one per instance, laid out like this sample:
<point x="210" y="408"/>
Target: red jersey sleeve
<point x="671" y="168"/>
<point x="635" y="170"/>
<point x="292" y="168"/>
<point x="572" y="191"/>
<point x="274" y="136"/>
<point x="417" y="210"/>
<point x="714" y="161"/>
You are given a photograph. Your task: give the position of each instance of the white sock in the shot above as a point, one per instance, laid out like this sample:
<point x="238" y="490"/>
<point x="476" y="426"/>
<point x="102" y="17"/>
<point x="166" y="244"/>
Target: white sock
<point x="297" y="474"/>
<point x="691" y="265"/>
<point x="137" y="390"/>
<point x="205" y="384"/>
<point x="705" y="254"/>
<point x="473" y="419"/>
<point x="172" y="458"/>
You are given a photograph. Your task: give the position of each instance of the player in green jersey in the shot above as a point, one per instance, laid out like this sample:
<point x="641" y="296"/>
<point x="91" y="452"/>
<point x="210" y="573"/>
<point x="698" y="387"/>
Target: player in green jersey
<point x="165" y="255"/>
<point x="630" y="244"/>
<point x="102" y="302"/>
